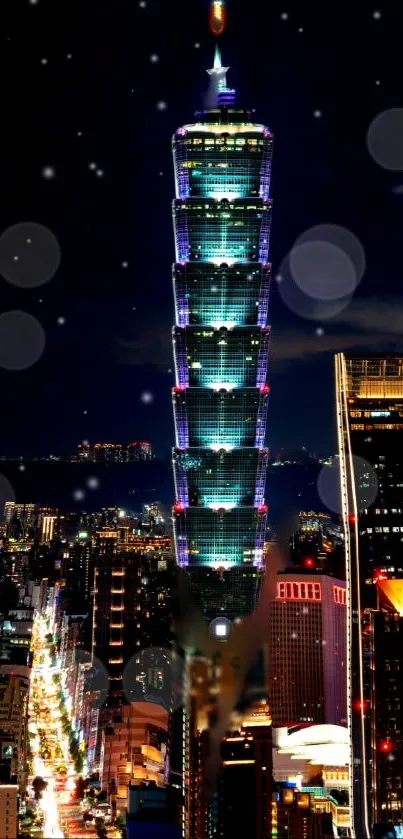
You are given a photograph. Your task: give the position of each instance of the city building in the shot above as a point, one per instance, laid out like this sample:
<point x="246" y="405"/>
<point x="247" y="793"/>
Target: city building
<point x="133" y="750"/>
<point x="8" y="810"/>
<point x="112" y="452"/>
<point x="246" y="778"/>
<point x="369" y="403"/>
<point x="13" y="724"/>
<point x="23" y="515"/>
<point x="131" y="613"/>
<point x="152" y="812"/>
<point x="221" y="277"/>
<point x="382" y="635"/>
<point x="307" y="649"/>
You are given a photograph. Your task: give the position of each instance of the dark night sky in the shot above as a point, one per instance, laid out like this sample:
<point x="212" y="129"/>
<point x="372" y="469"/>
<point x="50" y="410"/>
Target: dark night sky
<point x="108" y="353"/>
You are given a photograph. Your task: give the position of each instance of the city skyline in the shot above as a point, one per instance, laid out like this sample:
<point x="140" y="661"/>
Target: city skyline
<point x="104" y="273"/>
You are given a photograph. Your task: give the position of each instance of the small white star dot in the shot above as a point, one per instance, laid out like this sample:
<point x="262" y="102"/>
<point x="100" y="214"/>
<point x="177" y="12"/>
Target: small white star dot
<point x="133" y="309"/>
<point x="69" y="55"/>
<point x="377" y="15"/>
<point x="301" y="29"/>
<point x="377" y="82"/>
<point x="93" y="483"/>
<point x="278" y="278"/>
<point x="40" y="300"/>
<point x="33" y="2"/>
<point x="317" y="114"/>
<point x="125" y="264"/>
<point x="154" y="58"/>
<point x="197" y="45"/>
<point x="61" y="321"/>
<point x="100" y="173"/>
<point x="29" y="241"/>
<point x="85" y="412"/>
<point x="284" y="16"/>
<point x="48" y="172"/>
<point x="320" y="330"/>
<point x="92" y="166"/>
<point x="15" y="258"/>
<point x="44" y="60"/>
<point x="142" y="4"/>
<point x="79" y="133"/>
<point x="22" y="467"/>
<point x="161" y="106"/>
<point x="160" y="173"/>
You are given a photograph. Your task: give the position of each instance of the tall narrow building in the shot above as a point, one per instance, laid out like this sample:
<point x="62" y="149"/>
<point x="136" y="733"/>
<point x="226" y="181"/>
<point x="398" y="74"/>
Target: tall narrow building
<point x="369" y="401"/>
<point x="221" y="277"/>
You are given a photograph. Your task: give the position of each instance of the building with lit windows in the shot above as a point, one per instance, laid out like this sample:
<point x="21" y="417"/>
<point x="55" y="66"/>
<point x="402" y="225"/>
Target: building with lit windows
<point x="221" y="278"/>
<point x="8" y="811"/>
<point x="112" y="452"/>
<point x="383" y="630"/>
<point x="307" y="649"/>
<point x="369" y="402"/>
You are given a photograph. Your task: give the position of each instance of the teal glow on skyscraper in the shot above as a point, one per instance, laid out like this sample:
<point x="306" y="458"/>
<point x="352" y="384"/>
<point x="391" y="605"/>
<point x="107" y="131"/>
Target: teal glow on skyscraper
<point x="222" y="215"/>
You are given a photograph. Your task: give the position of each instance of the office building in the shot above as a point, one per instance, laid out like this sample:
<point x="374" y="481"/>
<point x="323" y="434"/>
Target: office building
<point x="369" y="402"/>
<point x="8" y="811"/>
<point x="307" y="649"/>
<point x="221" y="277"/>
<point x="131" y="612"/>
<point x="13" y="723"/>
<point x="382" y="634"/>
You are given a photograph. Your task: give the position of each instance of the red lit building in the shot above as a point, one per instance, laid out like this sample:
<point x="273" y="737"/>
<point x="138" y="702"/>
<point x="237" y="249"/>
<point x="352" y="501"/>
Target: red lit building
<point x="307" y="649"/>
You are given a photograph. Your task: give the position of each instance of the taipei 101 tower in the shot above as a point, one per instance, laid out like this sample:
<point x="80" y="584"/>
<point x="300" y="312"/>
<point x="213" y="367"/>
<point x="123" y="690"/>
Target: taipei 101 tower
<point x="221" y="277"/>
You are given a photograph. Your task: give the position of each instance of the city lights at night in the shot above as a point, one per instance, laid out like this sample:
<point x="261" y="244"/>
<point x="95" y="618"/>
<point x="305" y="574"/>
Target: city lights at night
<point x="201" y="480"/>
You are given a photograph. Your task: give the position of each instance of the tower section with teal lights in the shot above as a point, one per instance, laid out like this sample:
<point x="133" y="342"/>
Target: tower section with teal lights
<point x="221" y="277"/>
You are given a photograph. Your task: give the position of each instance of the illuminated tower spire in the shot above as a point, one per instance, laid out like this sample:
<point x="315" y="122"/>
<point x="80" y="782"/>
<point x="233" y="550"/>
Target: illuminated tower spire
<point x="219" y="94"/>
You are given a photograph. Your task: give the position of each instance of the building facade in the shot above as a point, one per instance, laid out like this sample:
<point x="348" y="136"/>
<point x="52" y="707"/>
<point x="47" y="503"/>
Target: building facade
<point x="221" y="277"/>
<point x="369" y="403"/>
<point x="307" y="649"/>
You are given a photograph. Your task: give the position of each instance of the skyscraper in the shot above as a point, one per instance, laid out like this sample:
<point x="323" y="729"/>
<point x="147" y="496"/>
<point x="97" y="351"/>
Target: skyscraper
<point x="307" y="649"/>
<point x="369" y="401"/>
<point x="221" y="277"/>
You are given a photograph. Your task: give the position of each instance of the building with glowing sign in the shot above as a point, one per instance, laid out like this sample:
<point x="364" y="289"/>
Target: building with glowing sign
<point x="307" y="652"/>
<point x="221" y="277"/>
<point x="369" y="402"/>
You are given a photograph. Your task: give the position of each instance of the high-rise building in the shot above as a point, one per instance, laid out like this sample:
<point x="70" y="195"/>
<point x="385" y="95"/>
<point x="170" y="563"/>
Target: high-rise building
<point x="382" y="633"/>
<point x="131" y="613"/>
<point x="369" y="402"/>
<point x="221" y="277"/>
<point x="8" y="810"/>
<point x="307" y="649"/>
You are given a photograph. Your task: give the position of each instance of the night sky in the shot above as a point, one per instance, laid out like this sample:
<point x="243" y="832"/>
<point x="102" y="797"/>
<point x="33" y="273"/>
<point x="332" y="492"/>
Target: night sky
<point x="92" y="91"/>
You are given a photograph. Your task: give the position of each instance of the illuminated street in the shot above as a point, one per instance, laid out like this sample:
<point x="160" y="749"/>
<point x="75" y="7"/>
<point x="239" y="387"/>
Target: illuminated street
<point x="51" y="759"/>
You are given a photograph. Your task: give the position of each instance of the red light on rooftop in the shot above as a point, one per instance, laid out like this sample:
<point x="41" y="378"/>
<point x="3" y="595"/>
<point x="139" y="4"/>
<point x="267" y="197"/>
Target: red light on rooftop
<point x="352" y="518"/>
<point x="179" y="508"/>
<point x="179" y="389"/>
<point x="265" y="389"/>
<point x="309" y="562"/>
<point x="359" y="705"/>
<point x="385" y="746"/>
<point x="264" y="508"/>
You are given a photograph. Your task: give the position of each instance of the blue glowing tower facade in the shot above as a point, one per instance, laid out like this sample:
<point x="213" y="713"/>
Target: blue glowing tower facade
<point x="221" y="277"/>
